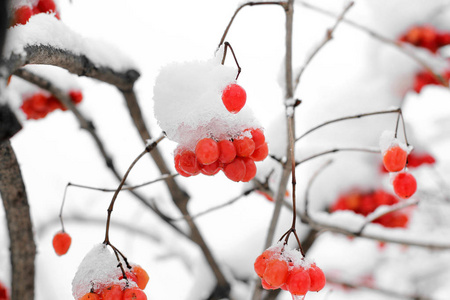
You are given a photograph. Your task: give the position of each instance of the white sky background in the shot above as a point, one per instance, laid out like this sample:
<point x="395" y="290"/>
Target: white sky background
<point x="353" y="74"/>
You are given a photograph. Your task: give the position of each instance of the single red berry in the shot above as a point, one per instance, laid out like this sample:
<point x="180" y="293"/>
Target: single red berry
<point x="46" y="6"/>
<point x="227" y="151"/>
<point x="22" y="15"/>
<point x="394" y="159"/>
<point x="244" y="146"/>
<point x="177" y="166"/>
<point x="207" y="151"/>
<point x="405" y="185"/>
<point x="234" y="97"/>
<point x="188" y="163"/>
<point x="76" y="96"/>
<point x="142" y="276"/>
<point x="211" y="169"/>
<point x="235" y="170"/>
<point x="276" y="272"/>
<point x="261" y="262"/>
<point x="258" y="137"/>
<point x="250" y="169"/>
<point x="317" y="278"/>
<point x="113" y="292"/>
<point x="88" y="296"/>
<point x="61" y="242"/>
<point x="298" y="281"/>
<point x="134" y="294"/>
<point x="260" y="153"/>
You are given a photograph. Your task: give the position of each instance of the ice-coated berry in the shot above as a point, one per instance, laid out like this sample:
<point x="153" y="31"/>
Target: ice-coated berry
<point x="177" y="166"/>
<point x="227" y="151"/>
<point x="394" y="159"/>
<point x="211" y="169"/>
<point x="207" y="151"/>
<point x="235" y="170"/>
<point x="244" y="146"/>
<point x="134" y="294"/>
<point x="260" y="153"/>
<point x="61" y="242"/>
<point x="276" y="272"/>
<point x="404" y="184"/>
<point x="188" y="162"/>
<point x="317" y="277"/>
<point x="234" y="97"/>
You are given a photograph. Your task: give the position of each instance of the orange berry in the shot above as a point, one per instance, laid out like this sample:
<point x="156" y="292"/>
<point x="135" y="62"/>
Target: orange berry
<point x="142" y="277"/>
<point x="394" y="159"/>
<point x="317" y="278"/>
<point x="90" y="296"/>
<point x="134" y="294"/>
<point x="298" y="281"/>
<point x="261" y="262"/>
<point x="276" y="272"/>
<point x="61" y="242"/>
<point x="113" y="292"/>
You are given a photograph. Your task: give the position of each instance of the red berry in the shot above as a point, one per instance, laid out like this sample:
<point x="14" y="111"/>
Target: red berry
<point x="250" y="169"/>
<point x="88" y="296"/>
<point x="142" y="277"/>
<point x="134" y="294"/>
<point x="298" y="281"/>
<point x="61" y="242"/>
<point x="177" y="166"/>
<point x="276" y="272"/>
<point x="267" y="286"/>
<point x="261" y="262"/>
<point x="244" y="146"/>
<point x="394" y="159"/>
<point x="258" y="137"/>
<point x="235" y="170"/>
<point x="211" y="169"/>
<point x="3" y="292"/>
<point x="46" y="6"/>
<point x="260" y="153"/>
<point x="234" y="97"/>
<point x="405" y="185"/>
<point x="317" y="278"/>
<point x="207" y="151"/>
<point x="76" y="96"/>
<point x="188" y="163"/>
<point x="113" y="292"/>
<point x="22" y="15"/>
<point x="227" y="151"/>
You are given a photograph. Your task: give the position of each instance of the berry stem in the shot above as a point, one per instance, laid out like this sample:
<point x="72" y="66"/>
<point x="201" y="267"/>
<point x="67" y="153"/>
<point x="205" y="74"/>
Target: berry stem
<point x="227" y="45"/>
<point x="148" y="148"/>
<point x="62" y="207"/>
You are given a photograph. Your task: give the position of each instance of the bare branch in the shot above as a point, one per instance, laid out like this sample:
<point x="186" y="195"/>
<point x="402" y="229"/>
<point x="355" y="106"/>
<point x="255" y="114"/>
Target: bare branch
<point x="328" y="37"/>
<point x="369" y="150"/>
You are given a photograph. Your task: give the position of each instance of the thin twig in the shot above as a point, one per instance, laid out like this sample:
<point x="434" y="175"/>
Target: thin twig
<point x="397" y="110"/>
<point x="310" y="182"/>
<point x="369" y="150"/>
<point x="227" y="45"/>
<point x="328" y="37"/>
<point x="397" y="45"/>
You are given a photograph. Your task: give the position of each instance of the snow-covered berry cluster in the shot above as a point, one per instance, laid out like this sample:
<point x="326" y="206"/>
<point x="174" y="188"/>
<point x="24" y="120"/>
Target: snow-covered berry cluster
<point x="395" y="156"/>
<point x="426" y="36"/>
<point x="40" y="104"/>
<point x="99" y="278"/>
<point x="200" y="106"/>
<point x="364" y="203"/>
<point x="287" y="269"/>
<point x="22" y="13"/>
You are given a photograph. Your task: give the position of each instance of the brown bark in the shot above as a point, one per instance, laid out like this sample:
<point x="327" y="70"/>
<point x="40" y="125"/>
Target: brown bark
<point x="22" y="246"/>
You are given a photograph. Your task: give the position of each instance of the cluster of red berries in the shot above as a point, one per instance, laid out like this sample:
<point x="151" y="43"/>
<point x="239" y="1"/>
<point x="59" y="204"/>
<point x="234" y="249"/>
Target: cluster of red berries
<point x="236" y="158"/>
<point x="288" y="270"/>
<point x="115" y="292"/>
<point x="364" y="203"/>
<point x="234" y="98"/>
<point x="39" y="105"/>
<point x="3" y="292"/>
<point x="415" y="160"/>
<point x="394" y="160"/>
<point x="61" y="242"/>
<point x="424" y="78"/>
<point x="24" y="13"/>
<point x="427" y="37"/>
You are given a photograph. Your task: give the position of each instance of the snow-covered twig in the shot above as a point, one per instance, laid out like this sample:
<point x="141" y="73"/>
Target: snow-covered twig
<point x="398" y="45"/>
<point x="328" y="37"/>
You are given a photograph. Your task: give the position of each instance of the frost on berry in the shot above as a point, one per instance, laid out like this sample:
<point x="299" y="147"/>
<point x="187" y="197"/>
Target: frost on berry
<point x="98" y="271"/>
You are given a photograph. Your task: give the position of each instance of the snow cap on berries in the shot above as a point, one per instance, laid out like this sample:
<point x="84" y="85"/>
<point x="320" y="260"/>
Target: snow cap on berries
<point x="388" y="140"/>
<point x="188" y="102"/>
<point x="97" y="271"/>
